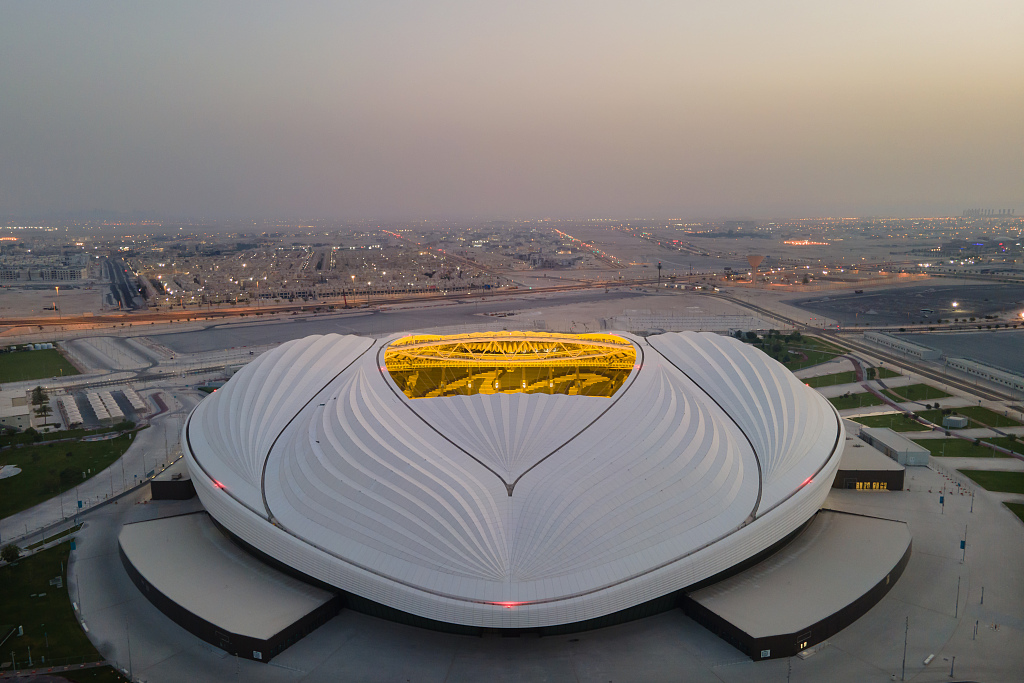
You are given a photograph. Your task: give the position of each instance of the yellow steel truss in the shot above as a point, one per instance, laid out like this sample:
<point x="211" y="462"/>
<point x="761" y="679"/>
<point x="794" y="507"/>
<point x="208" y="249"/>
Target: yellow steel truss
<point x="427" y="366"/>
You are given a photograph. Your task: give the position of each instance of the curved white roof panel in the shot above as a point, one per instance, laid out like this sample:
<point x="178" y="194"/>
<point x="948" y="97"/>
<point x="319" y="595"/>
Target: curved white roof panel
<point x="513" y="509"/>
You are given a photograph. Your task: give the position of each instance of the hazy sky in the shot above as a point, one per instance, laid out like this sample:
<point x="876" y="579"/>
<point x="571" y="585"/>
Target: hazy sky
<point x="518" y="109"/>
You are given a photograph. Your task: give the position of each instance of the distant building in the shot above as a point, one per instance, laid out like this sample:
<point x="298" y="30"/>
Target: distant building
<point x="45" y="274"/>
<point x="908" y="348"/>
<point x="992" y="374"/>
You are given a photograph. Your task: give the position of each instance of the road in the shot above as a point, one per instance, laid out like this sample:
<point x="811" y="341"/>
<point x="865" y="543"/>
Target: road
<point x="891" y="358"/>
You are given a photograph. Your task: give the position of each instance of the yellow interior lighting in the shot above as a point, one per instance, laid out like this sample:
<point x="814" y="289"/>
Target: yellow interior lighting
<point x="429" y="366"/>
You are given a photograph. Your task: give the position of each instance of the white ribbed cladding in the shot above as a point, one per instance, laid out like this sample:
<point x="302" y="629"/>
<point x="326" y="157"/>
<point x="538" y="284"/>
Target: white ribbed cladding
<point x="786" y="422"/>
<point x="240" y="422"/>
<point x="653" y="496"/>
<point x="509" y="432"/>
<point x="363" y="475"/>
<point x="654" y="478"/>
<point x="660" y="476"/>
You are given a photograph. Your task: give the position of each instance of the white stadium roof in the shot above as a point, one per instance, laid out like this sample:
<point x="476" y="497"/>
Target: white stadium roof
<point x="513" y="510"/>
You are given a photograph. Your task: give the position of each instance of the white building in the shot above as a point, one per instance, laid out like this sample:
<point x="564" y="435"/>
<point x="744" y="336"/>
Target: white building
<point x="908" y="348"/>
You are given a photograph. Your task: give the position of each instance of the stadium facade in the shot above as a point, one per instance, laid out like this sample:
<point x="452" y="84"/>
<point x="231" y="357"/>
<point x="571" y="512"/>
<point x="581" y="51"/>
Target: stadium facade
<point x="513" y="480"/>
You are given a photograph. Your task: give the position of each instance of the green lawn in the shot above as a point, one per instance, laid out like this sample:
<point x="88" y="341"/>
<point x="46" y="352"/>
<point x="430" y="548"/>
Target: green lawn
<point x="831" y="380"/>
<point x="958" y="448"/>
<point x="815" y="350"/>
<point x="1007" y="442"/>
<point x="1003" y="482"/>
<point x="880" y="373"/>
<point x="796" y="352"/>
<point x="23" y="438"/>
<point x="988" y="417"/>
<point x="855" y="400"/>
<point x="915" y="392"/>
<point x="42" y="364"/>
<point x="51" y="629"/>
<point x="847" y="377"/>
<point x="47" y="470"/>
<point x="1017" y="509"/>
<point x="894" y="421"/>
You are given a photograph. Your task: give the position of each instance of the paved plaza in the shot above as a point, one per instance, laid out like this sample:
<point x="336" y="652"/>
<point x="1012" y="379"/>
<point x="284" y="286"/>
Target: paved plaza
<point x="668" y="646"/>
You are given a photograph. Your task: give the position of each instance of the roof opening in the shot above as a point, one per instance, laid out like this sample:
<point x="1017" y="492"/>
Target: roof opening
<point x="429" y="366"/>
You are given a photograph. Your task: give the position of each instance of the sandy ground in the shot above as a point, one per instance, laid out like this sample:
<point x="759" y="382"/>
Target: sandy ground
<point x="84" y="298"/>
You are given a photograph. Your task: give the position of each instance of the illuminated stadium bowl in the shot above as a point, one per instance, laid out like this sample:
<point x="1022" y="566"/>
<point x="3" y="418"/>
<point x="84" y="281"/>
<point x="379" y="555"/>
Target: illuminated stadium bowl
<point x="513" y="479"/>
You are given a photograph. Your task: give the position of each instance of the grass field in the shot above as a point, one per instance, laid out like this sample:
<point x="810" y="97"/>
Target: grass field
<point x="809" y="351"/>
<point x="23" y="438"/>
<point x="831" y="380"/>
<point x="51" y="629"/>
<point x="47" y="470"/>
<point x="1017" y="509"/>
<point x="1003" y="482"/>
<point x="988" y="417"/>
<point x="880" y="373"/>
<point x="855" y="401"/>
<point x="894" y="421"/>
<point x="958" y="448"/>
<point x="915" y="392"/>
<point x="25" y="365"/>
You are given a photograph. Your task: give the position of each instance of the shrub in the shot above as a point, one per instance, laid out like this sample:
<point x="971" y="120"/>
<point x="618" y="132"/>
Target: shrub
<point x="10" y="553"/>
<point x="69" y="475"/>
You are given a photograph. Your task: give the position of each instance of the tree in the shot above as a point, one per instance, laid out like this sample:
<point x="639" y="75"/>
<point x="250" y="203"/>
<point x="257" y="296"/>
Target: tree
<point x="10" y="553"/>
<point x="39" y="396"/>
<point x="44" y="411"/>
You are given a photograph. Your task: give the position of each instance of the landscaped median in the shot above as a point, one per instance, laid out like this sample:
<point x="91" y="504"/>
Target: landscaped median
<point x="859" y="400"/>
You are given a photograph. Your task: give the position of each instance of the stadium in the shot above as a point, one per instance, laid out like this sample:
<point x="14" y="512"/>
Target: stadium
<point x="512" y="480"/>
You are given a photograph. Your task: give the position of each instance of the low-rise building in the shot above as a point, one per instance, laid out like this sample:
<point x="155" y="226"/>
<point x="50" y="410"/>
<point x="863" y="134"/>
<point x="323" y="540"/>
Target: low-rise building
<point x="899" y="448"/>
<point x="15" y="410"/>
<point x="903" y="346"/>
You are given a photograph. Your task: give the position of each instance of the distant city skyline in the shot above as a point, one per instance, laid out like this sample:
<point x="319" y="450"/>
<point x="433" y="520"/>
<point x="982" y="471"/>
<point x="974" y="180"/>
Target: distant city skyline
<point x="399" y="111"/>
